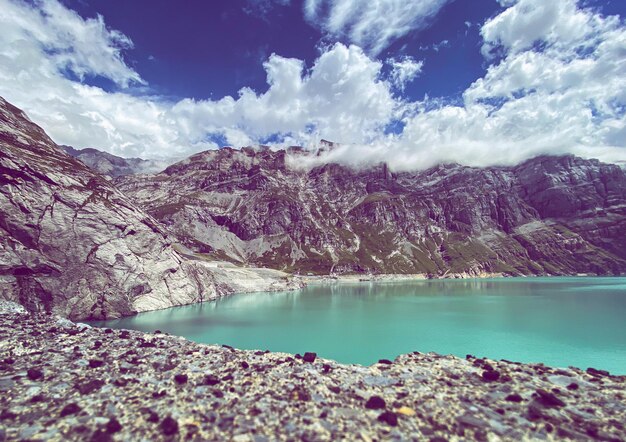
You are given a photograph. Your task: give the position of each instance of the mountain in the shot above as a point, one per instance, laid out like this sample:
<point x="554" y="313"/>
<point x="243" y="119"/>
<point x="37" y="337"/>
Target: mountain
<point x="112" y="165"/>
<point x="74" y="245"/>
<point x="548" y="215"/>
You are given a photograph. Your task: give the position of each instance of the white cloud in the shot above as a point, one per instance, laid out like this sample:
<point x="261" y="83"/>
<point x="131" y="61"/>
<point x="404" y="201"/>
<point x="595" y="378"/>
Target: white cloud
<point x="72" y="43"/>
<point x="372" y="25"/>
<point x="341" y="97"/>
<point x="404" y="70"/>
<point x="558" y="84"/>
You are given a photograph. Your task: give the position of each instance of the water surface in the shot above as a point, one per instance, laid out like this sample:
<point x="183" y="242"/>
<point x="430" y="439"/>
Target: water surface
<point x="558" y="321"/>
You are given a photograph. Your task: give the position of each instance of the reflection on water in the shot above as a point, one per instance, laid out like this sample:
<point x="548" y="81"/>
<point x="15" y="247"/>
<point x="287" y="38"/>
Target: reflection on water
<point x="559" y="321"/>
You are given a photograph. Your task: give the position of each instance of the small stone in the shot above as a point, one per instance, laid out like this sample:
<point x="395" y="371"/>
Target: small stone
<point x="490" y="375"/>
<point x="90" y="386"/>
<point x="211" y="380"/>
<point x="389" y="417"/>
<point x="385" y="361"/>
<point x="573" y="386"/>
<point x="181" y="378"/>
<point x="548" y="399"/>
<point x="597" y="373"/>
<point x="514" y="397"/>
<point x="244" y="364"/>
<point x="7" y="414"/>
<point x="34" y="374"/>
<point x="334" y="389"/>
<point x="169" y="426"/>
<point x="96" y="363"/>
<point x="406" y="411"/>
<point x="71" y="408"/>
<point x="375" y="403"/>
<point x="113" y="426"/>
<point x="309" y="357"/>
<point x="152" y="417"/>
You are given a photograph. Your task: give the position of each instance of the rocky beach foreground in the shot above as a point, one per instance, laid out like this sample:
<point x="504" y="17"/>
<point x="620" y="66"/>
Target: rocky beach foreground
<point x="65" y="381"/>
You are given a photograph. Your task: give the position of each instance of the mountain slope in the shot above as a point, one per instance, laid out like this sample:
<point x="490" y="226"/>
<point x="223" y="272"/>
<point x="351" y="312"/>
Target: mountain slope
<point x="74" y="245"/>
<point x="112" y="165"/>
<point x="549" y="215"/>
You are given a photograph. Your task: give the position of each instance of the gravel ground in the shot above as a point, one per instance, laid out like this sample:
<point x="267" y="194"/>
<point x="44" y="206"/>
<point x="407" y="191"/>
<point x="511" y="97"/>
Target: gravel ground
<point x="66" y="381"/>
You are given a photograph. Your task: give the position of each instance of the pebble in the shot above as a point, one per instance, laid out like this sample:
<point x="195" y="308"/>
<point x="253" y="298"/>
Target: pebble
<point x="389" y="417"/>
<point x="375" y="403"/>
<point x="34" y="374"/>
<point x="181" y="378"/>
<point x="490" y="375"/>
<point x="309" y="357"/>
<point x="72" y="408"/>
<point x="169" y="426"/>
<point x="260" y="396"/>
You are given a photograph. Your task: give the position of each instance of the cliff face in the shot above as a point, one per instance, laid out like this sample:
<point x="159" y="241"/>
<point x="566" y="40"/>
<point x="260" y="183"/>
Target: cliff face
<point x="112" y="165"/>
<point x="549" y="215"/>
<point x="72" y="244"/>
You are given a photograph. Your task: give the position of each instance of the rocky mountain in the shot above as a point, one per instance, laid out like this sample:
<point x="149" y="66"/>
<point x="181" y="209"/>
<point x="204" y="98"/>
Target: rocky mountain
<point x="73" y="244"/>
<point x="112" y="165"/>
<point x="548" y="215"/>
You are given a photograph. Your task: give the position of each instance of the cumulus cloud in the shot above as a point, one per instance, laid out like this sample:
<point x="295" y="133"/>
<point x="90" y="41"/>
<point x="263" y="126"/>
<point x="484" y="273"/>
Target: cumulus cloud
<point x="403" y="70"/>
<point x="555" y="83"/>
<point x="373" y="25"/>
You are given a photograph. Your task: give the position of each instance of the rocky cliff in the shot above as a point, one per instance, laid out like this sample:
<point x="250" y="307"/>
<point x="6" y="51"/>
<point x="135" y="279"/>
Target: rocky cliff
<point x="549" y="215"/>
<point x="72" y="244"/>
<point x="112" y="165"/>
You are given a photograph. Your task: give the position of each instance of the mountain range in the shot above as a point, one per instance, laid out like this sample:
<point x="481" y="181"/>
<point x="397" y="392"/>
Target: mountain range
<point x="547" y="216"/>
<point x="85" y="235"/>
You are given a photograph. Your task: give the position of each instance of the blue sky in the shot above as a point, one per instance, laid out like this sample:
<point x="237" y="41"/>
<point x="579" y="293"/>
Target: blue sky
<point x="211" y="49"/>
<point x="409" y="82"/>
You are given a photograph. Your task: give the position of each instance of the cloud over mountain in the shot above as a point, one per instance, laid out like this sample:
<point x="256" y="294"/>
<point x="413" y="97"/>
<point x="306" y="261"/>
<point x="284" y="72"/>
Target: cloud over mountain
<point x="555" y="82"/>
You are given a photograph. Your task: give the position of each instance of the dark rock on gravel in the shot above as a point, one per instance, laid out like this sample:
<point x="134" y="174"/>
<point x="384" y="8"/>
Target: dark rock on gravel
<point x="389" y="417"/>
<point x="96" y="363"/>
<point x="90" y="386"/>
<point x="309" y="357"/>
<point x="428" y="396"/>
<point x="72" y="408"/>
<point x="169" y="426"/>
<point x="548" y="399"/>
<point x="181" y="378"/>
<point x="490" y="375"/>
<point x="514" y="398"/>
<point x="113" y="426"/>
<point x="375" y="403"/>
<point x="34" y="374"/>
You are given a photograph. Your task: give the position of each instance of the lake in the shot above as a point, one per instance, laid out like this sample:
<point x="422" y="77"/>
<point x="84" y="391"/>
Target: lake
<point x="560" y="321"/>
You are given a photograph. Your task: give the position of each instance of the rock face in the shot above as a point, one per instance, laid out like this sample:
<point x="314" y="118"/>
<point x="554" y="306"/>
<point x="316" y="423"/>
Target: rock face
<point x="549" y="215"/>
<point x="112" y="165"/>
<point x="72" y="244"/>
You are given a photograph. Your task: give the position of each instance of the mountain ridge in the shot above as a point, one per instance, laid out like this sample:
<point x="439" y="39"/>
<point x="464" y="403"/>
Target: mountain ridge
<point x="253" y="206"/>
<point x="72" y="244"/>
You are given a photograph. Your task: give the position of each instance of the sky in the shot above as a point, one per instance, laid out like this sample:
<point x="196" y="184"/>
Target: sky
<point x="409" y="82"/>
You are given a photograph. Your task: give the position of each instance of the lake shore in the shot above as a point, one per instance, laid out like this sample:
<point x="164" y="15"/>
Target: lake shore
<point x="66" y="381"/>
<point x="396" y="277"/>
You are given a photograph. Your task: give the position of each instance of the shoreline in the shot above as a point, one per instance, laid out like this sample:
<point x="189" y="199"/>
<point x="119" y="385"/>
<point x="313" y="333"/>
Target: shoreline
<point x="65" y="381"/>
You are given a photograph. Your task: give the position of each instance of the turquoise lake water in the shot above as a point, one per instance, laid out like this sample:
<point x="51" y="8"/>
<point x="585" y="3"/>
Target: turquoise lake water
<point x="579" y="321"/>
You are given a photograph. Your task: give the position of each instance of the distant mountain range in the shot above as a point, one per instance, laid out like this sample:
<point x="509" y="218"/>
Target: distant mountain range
<point x="83" y="245"/>
<point x="546" y="216"/>
<point x="112" y="165"/>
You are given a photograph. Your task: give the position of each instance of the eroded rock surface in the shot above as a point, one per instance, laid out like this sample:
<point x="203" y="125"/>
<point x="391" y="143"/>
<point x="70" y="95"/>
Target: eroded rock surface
<point x="548" y="215"/>
<point x="73" y="244"/>
<point x="62" y="381"/>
